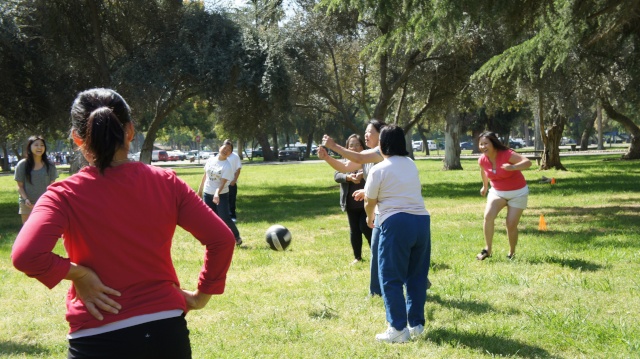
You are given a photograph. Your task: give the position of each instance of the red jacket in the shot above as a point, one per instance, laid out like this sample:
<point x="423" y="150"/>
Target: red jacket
<point x="121" y="225"/>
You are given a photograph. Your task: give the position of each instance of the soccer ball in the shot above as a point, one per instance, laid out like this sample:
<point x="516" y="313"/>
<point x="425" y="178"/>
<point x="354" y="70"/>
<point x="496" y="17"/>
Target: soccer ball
<point x="278" y="237"/>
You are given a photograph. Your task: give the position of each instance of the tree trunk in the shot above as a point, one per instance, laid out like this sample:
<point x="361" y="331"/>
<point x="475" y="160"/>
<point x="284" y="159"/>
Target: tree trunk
<point x="270" y="155"/>
<point x="5" y="158"/>
<point x="309" y="143"/>
<point x="476" y="136"/>
<point x="600" y="137"/>
<point x="263" y="140"/>
<point x="409" y="143"/>
<point x="452" y="142"/>
<point x="150" y="138"/>
<point x="551" y="155"/>
<point x="634" y="131"/>
<point x="588" y="129"/>
<point x="538" y="120"/>
<point x="423" y="136"/>
<point x="102" y="63"/>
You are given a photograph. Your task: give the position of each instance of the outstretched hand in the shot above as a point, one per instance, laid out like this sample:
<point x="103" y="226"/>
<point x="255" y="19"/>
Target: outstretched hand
<point x="322" y="153"/>
<point x="92" y="292"/>
<point x="328" y="142"/>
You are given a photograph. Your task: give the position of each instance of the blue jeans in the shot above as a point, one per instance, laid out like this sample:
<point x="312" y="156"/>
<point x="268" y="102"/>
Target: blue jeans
<point x="374" y="284"/>
<point x="233" y="193"/>
<point x="222" y="210"/>
<point x="404" y="255"/>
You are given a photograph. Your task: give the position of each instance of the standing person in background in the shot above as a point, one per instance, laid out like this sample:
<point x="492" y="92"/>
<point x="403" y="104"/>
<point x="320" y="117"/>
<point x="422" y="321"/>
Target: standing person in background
<point x="349" y="183"/>
<point x="394" y="192"/>
<point x="214" y="187"/>
<point x="118" y="218"/>
<point x="236" y="166"/>
<point x="365" y="160"/>
<point x="33" y="174"/>
<point x="502" y="167"/>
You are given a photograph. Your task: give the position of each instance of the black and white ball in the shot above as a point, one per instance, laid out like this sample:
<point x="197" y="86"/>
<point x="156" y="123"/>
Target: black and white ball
<point x="278" y="237"/>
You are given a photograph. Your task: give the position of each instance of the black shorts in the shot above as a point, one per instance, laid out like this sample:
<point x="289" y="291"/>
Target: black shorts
<point x="166" y="338"/>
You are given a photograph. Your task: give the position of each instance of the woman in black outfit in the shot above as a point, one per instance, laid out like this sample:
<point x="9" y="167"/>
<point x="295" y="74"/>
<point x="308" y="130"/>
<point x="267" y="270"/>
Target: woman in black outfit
<point x="350" y="183"/>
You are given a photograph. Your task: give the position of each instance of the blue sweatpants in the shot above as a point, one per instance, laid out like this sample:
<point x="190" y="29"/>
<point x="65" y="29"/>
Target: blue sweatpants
<point x="404" y="254"/>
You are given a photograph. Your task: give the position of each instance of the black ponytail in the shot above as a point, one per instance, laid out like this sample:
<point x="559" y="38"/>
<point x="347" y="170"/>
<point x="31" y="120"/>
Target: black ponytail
<point x="105" y="134"/>
<point x="99" y="116"/>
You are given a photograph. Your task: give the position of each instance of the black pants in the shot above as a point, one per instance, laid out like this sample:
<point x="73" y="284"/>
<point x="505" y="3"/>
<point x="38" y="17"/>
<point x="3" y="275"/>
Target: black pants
<point x="160" y="339"/>
<point x="357" y="228"/>
<point x="233" y="193"/>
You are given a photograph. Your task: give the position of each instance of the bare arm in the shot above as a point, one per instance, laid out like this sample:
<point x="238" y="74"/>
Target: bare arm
<point x="342" y="167"/>
<point x="367" y="156"/>
<point x="485" y="182"/>
<point x="23" y="194"/>
<point x="201" y="187"/>
<point x="235" y="178"/>
<point x="216" y="196"/>
<point x="369" y="207"/>
<point x="517" y="163"/>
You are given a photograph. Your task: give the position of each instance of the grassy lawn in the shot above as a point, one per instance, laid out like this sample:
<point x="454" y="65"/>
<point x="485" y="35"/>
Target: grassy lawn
<point x="572" y="292"/>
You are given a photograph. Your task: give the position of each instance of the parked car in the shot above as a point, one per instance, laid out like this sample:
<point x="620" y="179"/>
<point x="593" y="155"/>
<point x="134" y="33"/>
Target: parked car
<point x="134" y="156"/>
<point x="159" y="155"/>
<point x="416" y="145"/>
<point x="513" y="144"/>
<point x="432" y="145"/>
<point x="290" y="154"/>
<point x="466" y="145"/>
<point x="171" y="156"/>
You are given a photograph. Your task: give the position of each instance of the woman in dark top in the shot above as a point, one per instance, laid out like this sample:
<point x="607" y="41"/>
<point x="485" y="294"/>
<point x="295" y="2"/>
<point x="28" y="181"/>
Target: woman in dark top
<point x="349" y="183"/>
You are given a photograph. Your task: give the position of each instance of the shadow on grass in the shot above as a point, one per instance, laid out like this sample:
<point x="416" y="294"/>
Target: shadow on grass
<point x="288" y="203"/>
<point x="11" y="348"/>
<point x="436" y="266"/>
<point x="613" y="182"/>
<point x="613" y="225"/>
<point x="470" y="306"/>
<point x="489" y="344"/>
<point x="577" y="264"/>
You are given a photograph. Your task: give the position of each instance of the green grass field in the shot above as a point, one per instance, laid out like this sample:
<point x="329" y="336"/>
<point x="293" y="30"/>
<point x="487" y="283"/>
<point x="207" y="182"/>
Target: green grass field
<point x="572" y="292"/>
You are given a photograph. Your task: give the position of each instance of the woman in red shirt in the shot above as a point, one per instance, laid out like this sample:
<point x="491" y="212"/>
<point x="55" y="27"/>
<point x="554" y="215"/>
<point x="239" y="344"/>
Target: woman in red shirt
<point x="502" y="167"/>
<point x="117" y="218"/>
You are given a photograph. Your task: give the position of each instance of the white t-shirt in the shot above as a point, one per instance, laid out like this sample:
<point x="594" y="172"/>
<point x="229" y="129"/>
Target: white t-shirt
<point x="236" y="162"/>
<point x="395" y="184"/>
<point x="216" y="170"/>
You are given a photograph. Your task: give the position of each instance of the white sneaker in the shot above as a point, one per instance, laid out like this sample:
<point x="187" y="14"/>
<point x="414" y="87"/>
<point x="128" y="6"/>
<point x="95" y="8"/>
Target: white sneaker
<point x="391" y="335"/>
<point x="416" y="331"/>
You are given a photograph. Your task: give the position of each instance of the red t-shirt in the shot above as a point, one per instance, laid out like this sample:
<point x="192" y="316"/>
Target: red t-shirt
<point x="502" y="180"/>
<point x="121" y="225"/>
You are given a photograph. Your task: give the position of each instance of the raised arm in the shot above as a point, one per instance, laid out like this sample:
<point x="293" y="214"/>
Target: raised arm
<point x="342" y="167"/>
<point x="367" y="156"/>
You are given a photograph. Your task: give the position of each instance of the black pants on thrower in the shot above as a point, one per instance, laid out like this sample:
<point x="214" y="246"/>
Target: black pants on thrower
<point x="357" y="228"/>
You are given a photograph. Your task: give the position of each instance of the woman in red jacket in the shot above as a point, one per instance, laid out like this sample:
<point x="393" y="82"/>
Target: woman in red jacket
<point x="117" y="218"/>
<point x="502" y="167"/>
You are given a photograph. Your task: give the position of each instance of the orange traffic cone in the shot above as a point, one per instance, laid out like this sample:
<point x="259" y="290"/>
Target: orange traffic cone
<point x="553" y="181"/>
<point x="542" y="226"/>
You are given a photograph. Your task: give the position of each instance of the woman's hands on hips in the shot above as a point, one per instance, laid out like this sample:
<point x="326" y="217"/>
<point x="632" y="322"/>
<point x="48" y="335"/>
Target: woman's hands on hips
<point x="195" y="300"/>
<point x="90" y="290"/>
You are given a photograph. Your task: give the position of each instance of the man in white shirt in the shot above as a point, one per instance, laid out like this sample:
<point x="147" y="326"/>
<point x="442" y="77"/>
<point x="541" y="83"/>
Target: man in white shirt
<point x="236" y="164"/>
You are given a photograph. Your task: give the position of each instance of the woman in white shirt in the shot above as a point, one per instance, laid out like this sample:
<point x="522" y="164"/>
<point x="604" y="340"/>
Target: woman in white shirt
<point x="404" y="247"/>
<point x="218" y="174"/>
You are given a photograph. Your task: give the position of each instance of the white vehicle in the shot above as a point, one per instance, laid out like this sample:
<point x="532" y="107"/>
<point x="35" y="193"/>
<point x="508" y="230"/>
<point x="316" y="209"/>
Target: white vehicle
<point x="432" y="145"/>
<point x="417" y="145"/>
